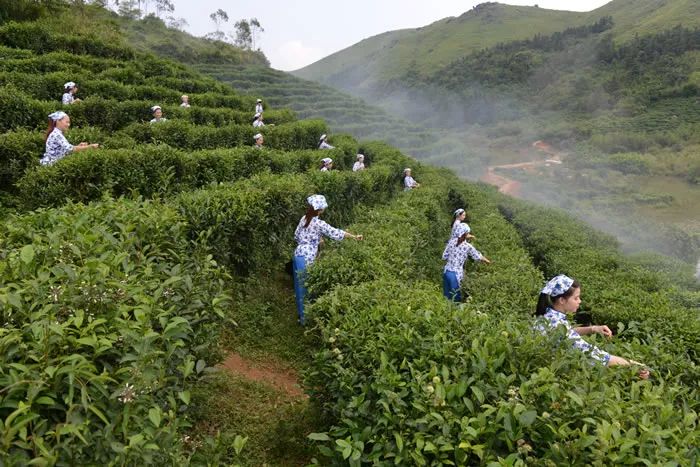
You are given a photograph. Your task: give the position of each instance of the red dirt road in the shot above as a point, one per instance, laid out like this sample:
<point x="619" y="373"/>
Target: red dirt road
<point x="512" y="187"/>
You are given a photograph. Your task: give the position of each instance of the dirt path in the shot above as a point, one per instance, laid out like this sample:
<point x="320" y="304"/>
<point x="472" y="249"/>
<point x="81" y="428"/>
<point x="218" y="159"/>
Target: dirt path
<point x="512" y="187"/>
<point x="282" y="379"/>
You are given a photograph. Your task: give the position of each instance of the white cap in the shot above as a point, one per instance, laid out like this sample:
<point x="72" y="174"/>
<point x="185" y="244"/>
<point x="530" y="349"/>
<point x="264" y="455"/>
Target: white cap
<point x="155" y="107"/>
<point x="360" y="156"/>
<point x="326" y="160"/>
<point x="259" y="100"/>
<point x="459" y="211"/>
<point x="257" y="115"/>
<point x="257" y="136"/>
<point x="323" y="136"/>
<point x="69" y="84"/>
<point x="407" y="169"/>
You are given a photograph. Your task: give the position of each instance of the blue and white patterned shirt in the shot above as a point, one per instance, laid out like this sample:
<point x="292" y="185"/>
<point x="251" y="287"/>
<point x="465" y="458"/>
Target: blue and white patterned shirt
<point x="57" y="147"/>
<point x="325" y="145"/>
<point x="553" y="318"/>
<point x="409" y="182"/>
<point x="308" y="238"/>
<point x="357" y="166"/>
<point x="258" y="124"/>
<point x="158" y="120"/>
<point x="258" y="108"/>
<point x="67" y="98"/>
<point x="456" y="255"/>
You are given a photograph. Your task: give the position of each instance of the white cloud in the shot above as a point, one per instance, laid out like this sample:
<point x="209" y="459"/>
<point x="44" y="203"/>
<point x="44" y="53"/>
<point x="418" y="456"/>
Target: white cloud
<point x="294" y="54"/>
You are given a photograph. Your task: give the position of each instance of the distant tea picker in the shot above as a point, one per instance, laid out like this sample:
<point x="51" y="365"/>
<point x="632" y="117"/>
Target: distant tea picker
<point x="409" y="182"/>
<point x="57" y="146"/>
<point x="69" y="91"/>
<point x="323" y="142"/>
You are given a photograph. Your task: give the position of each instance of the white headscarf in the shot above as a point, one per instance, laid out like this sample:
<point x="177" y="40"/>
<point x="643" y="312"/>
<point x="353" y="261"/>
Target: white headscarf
<point x="154" y="108"/>
<point x="69" y="85"/>
<point x="461" y="229"/>
<point x="317" y="202"/>
<point x="557" y="285"/>
<point x="58" y="115"/>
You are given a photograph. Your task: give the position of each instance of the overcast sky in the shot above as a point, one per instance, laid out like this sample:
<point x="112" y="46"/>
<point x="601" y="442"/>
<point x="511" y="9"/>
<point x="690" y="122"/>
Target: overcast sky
<point x="300" y="32"/>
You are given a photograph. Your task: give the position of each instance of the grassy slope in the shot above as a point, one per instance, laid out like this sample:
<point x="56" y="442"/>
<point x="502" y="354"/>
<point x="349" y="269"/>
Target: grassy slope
<point x="390" y="55"/>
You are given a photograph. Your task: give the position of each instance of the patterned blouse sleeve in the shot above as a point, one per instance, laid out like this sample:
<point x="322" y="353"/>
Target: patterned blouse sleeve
<point x="474" y="253"/>
<point x="331" y="232"/>
<point x="595" y="353"/>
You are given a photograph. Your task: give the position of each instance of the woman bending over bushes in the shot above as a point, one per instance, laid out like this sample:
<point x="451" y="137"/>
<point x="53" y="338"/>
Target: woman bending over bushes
<point x="561" y="296"/>
<point x="57" y="146"/>
<point x="308" y="236"/>
<point x="456" y="253"/>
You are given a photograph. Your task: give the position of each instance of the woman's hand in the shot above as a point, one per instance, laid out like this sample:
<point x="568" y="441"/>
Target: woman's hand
<point x="644" y="373"/>
<point x="485" y="260"/>
<point x="604" y="330"/>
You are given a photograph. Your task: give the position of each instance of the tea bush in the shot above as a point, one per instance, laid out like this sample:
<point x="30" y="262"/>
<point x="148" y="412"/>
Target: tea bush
<point x="110" y="316"/>
<point x="249" y="224"/>
<point x="39" y="38"/>
<point x="633" y="301"/>
<point x="154" y="170"/>
<point x="411" y="380"/>
<point x="297" y="135"/>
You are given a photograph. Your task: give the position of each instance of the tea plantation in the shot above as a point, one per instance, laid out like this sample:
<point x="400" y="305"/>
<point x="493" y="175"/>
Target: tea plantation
<point x="129" y="271"/>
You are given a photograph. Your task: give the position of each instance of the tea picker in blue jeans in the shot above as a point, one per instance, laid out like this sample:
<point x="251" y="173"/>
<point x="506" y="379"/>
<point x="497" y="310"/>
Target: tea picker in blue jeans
<point x="562" y="296"/>
<point x="308" y="235"/>
<point x="456" y="253"/>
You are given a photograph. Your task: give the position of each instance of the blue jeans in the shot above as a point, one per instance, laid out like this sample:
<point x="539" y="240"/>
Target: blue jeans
<point x="299" y="273"/>
<point x="450" y="286"/>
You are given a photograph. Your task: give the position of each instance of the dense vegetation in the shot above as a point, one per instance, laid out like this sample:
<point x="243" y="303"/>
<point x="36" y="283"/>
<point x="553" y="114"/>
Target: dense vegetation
<point x="129" y="271"/>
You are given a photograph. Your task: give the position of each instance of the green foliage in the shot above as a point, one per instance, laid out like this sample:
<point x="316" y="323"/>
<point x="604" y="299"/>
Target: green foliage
<point x="41" y="39"/>
<point x="156" y="170"/>
<point x="238" y="217"/>
<point x="615" y="291"/>
<point x="104" y="334"/>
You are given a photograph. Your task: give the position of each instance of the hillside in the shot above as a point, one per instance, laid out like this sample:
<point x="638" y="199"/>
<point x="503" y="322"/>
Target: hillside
<point x="147" y="315"/>
<point x="308" y="99"/>
<point x="391" y="55"/>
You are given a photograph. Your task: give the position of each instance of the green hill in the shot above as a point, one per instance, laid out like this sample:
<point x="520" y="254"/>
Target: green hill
<point x="131" y="273"/>
<point x="392" y="55"/>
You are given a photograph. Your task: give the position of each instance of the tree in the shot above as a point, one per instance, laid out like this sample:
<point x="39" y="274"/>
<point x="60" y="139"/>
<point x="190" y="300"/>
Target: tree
<point x="255" y="30"/>
<point x="164" y="6"/>
<point x="129" y="9"/>
<point x="247" y="33"/>
<point x="219" y="17"/>
<point x="243" y="35"/>
<point x="177" y="23"/>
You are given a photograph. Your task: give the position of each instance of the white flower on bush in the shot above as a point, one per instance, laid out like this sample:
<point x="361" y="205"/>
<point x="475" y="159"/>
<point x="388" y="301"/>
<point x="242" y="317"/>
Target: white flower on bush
<point x="331" y="339"/>
<point x="128" y="394"/>
<point x="429" y="389"/>
<point x="55" y="293"/>
<point x="436" y="380"/>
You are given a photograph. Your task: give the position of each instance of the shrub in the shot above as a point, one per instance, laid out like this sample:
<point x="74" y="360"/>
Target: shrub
<point x="104" y="333"/>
